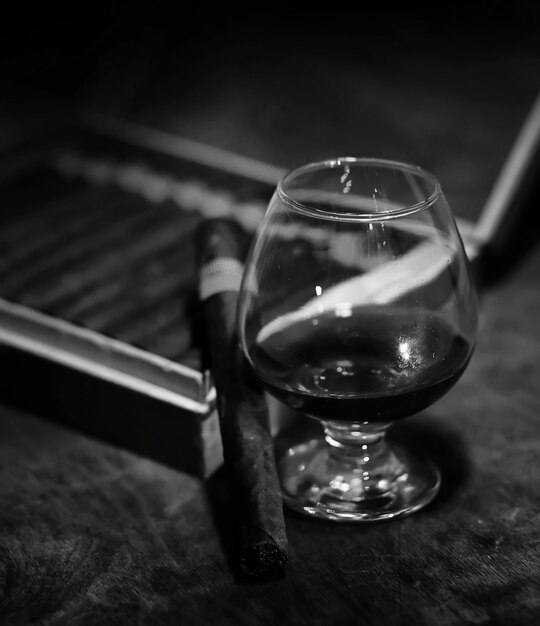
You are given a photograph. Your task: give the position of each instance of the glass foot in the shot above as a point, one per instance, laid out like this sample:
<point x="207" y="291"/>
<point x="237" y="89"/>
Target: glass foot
<point x="320" y="483"/>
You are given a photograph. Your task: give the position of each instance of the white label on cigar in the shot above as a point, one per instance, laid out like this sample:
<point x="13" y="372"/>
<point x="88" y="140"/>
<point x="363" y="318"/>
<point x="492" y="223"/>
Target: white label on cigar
<point x="219" y="275"/>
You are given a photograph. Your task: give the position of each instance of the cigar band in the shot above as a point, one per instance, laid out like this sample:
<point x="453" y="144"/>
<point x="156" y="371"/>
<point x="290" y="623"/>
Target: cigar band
<point x="219" y="275"/>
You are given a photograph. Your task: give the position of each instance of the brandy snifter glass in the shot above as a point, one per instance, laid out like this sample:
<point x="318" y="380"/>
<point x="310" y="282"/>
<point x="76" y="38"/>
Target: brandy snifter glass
<point x="357" y="308"/>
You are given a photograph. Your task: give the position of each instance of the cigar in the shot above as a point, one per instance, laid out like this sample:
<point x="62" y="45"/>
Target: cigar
<point x="248" y="448"/>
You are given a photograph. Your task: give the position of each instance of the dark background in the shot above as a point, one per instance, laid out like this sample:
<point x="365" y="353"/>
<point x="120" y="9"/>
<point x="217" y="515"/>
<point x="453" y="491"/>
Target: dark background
<point x="440" y="84"/>
<point x="269" y="72"/>
<point x="58" y="49"/>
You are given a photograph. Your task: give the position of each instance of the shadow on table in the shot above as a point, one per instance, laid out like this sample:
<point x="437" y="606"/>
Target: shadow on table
<point x="424" y="435"/>
<point x="427" y="437"/>
<point x="220" y="501"/>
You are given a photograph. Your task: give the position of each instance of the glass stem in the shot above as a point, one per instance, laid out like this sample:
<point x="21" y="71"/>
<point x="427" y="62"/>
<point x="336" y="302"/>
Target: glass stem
<point x="359" y="446"/>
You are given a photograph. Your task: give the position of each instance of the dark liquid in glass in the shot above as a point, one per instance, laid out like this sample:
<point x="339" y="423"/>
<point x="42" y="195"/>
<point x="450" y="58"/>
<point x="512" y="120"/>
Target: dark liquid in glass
<point x="376" y="365"/>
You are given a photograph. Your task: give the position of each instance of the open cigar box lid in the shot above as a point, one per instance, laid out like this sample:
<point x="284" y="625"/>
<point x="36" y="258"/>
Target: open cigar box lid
<point x="501" y="229"/>
<point x="99" y="323"/>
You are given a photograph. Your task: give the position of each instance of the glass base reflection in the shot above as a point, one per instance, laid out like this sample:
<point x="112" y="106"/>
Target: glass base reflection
<point x="379" y="487"/>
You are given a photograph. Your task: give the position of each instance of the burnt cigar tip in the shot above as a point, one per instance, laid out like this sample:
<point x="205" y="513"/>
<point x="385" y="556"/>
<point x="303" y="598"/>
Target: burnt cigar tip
<point x="263" y="561"/>
<point x="261" y="556"/>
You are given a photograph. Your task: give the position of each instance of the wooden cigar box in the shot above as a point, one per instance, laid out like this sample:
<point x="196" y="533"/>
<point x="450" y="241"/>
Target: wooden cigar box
<point x="99" y="316"/>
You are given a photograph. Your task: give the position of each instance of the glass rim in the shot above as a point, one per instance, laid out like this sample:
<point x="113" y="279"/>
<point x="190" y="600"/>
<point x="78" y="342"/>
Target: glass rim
<point x="307" y="209"/>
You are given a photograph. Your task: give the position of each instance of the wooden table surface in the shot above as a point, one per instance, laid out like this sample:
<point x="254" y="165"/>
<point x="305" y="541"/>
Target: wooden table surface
<point x="92" y="534"/>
